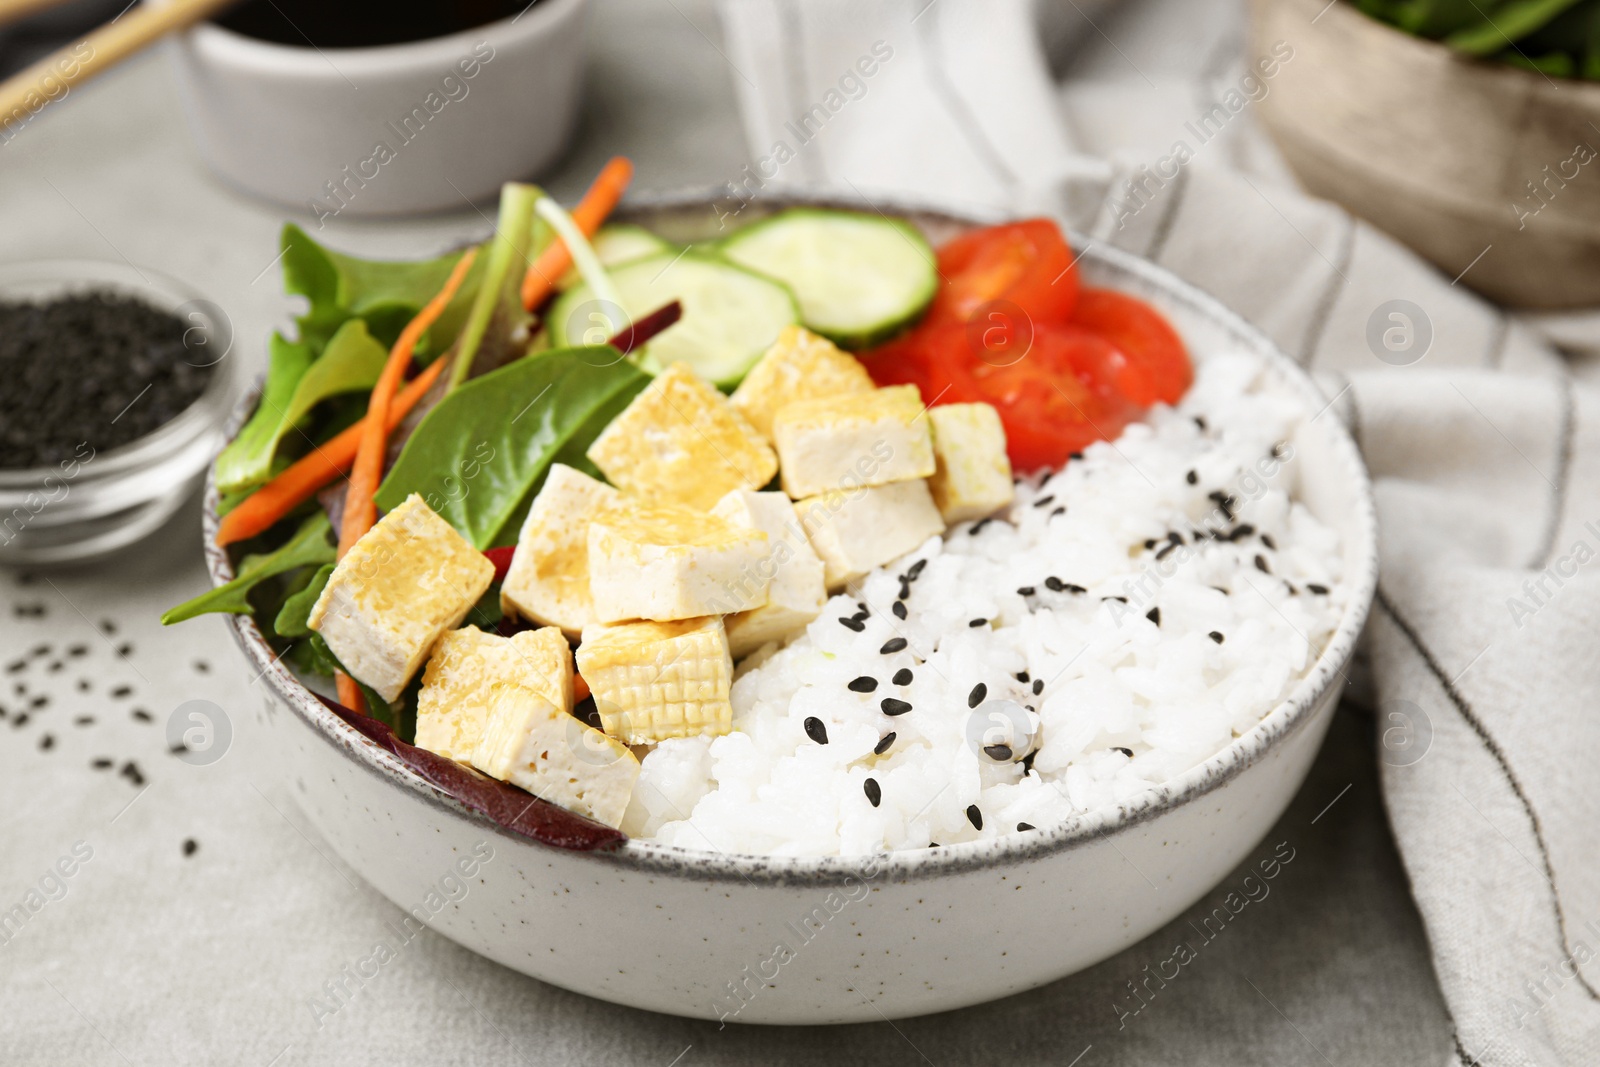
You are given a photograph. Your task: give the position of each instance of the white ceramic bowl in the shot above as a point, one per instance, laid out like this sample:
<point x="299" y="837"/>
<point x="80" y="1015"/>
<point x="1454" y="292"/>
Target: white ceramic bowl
<point x="910" y="932"/>
<point x="457" y="115"/>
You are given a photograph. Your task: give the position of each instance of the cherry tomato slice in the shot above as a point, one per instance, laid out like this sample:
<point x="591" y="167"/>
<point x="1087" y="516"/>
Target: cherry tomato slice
<point x="1024" y="264"/>
<point x="1053" y="394"/>
<point x="1155" y="365"/>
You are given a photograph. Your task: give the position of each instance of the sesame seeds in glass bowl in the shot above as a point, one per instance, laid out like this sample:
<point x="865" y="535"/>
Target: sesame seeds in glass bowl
<point x="114" y="391"/>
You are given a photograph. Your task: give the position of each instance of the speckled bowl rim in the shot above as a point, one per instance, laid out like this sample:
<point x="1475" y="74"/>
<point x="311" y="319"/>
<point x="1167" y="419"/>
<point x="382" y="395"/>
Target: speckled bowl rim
<point x="1291" y="715"/>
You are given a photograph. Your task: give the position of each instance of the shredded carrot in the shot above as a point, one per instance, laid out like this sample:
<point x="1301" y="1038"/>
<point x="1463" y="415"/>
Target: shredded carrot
<point x="300" y="481"/>
<point x="349" y="692"/>
<point x="580" y="688"/>
<point x="360" y="509"/>
<point x="597" y="203"/>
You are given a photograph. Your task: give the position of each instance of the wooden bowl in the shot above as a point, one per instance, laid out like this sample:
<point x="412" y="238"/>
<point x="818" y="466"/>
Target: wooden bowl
<point x="1479" y="167"/>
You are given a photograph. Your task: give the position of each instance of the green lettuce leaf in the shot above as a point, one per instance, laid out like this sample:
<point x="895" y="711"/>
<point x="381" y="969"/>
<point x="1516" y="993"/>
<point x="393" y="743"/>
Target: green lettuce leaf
<point x="351" y="363"/>
<point x="485" y="448"/>
<point x="310" y="546"/>
<point x="386" y="294"/>
<point x="291" y="620"/>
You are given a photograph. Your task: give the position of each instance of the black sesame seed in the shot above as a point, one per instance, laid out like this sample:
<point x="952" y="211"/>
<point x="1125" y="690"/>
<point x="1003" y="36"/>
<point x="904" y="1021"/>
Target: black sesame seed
<point x="933" y="844"/>
<point x="130" y="771"/>
<point x="1045" y="501"/>
<point x="1175" y="537"/>
<point x="1166" y="550"/>
<point x="1022" y="676"/>
<point x="1026" y="590"/>
<point x="41" y="650"/>
<point x="16" y="665"/>
<point x="873" y="790"/>
<point x="125" y="650"/>
<point x="1261" y="564"/>
<point x="863" y="684"/>
<point x="1021" y="826"/>
<point x="1038" y="686"/>
<point x="1200" y="421"/>
<point x="883" y="744"/>
<point x="1060" y="509"/>
<point x="55" y="666"/>
<point x="1119" y="599"/>
<point x="975" y="623"/>
<point x="998" y="753"/>
<point x="1054" y="584"/>
<point x="78" y="650"/>
<point x="1192" y="478"/>
<point x="202" y="667"/>
<point x="1125" y="751"/>
<point x="1149" y="543"/>
<point x="1027" y="762"/>
<point x="101" y="764"/>
<point x="916" y="569"/>
<point x="852" y="624"/>
<point x="1267" y="540"/>
<point x="1154" y="615"/>
<point x="83" y="685"/>
<point x="978" y="526"/>
<point x="1221" y="590"/>
<point x="108" y="627"/>
<point x="1240" y="532"/>
<point x="1069" y="587"/>
<point x="905" y="589"/>
<point x="83" y="720"/>
<point x="975" y="697"/>
<point x="1319" y="590"/>
<point x="1216" y="635"/>
<point x="891" y="706"/>
<point x="39" y="701"/>
<point x="141" y="715"/>
<point x="816" y="730"/>
<point x="122" y="691"/>
<point x="20" y="720"/>
<point x="893" y="645"/>
<point x="974" y="816"/>
<point x="899" y="609"/>
<point x="46" y="743"/>
<point x="190" y="846"/>
<point x="862" y="610"/>
<point x="902" y="676"/>
<point x="1075" y="455"/>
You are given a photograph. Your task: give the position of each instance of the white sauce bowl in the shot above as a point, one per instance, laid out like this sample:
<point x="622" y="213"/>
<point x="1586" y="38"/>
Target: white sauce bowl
<point x="387" y="130"/>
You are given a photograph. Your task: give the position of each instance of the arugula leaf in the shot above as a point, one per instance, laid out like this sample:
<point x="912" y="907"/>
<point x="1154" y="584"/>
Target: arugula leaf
<point x="386" y="294"/>
<point x="291" y="620"/>
<point x="309" y="546"/>
<point x="480" y="453"/>
<point x="350" y="364"/>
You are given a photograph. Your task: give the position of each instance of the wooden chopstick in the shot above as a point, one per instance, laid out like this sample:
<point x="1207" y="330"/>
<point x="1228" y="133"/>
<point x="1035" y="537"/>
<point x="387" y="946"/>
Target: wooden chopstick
<point x="30" y="90"/>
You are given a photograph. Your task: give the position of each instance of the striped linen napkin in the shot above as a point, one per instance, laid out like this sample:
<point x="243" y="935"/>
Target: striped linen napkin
<point x="1481" y="434"/>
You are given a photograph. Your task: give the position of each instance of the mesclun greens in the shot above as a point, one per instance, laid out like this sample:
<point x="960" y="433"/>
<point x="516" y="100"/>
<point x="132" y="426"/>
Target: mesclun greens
<point x="1559" y="38"/>
<point x="297" y="381"/>
<point x="310" y="546"/>
<point x="479" y="455"/>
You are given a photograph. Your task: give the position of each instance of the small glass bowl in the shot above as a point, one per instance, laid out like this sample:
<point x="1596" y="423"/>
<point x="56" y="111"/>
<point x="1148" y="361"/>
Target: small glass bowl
<point x="107" y="499"/>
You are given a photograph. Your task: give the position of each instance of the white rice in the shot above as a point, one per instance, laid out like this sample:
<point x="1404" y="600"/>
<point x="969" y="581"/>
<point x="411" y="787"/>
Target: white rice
<point x="1125" y="703"/>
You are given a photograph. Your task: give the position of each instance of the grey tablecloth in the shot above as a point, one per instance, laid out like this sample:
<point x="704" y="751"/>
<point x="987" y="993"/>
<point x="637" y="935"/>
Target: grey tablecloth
<point x="150" y="953"/>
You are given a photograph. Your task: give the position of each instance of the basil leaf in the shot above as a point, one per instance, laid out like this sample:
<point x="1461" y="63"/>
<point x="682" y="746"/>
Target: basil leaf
<point x="351" y="363"/>
<point x="386" y="294"/>
<point x="291" y="620"/>
<point x="309" y="546"/>
<point x="485" y="447"/>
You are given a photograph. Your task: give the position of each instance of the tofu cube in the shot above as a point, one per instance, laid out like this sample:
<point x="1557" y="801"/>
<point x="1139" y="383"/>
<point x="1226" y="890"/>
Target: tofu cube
<point x="797" y="593"/>
<point x="840" y="442"/>
<point x="668" y="563"/>
<point x="465" y="671"/>
<point x="532" y="740"/>
<point x="799" y="366"/>
<point x="655" y="680"/>
<point x="549" y="577"/>
<point x="859" y="529"/>
<point x="402" y="585"/>
<point x="973" y="478"/>
<point x="682" y="442"/>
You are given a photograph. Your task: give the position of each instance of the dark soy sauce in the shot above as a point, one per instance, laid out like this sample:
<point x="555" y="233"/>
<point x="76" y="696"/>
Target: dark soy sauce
<point x="361" y="23"/>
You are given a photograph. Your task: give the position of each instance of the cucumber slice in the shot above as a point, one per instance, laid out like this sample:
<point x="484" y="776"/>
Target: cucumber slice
<point x="730" y="315"/>
<point x="615" y="244"/>
<point x="858" y="277"/>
